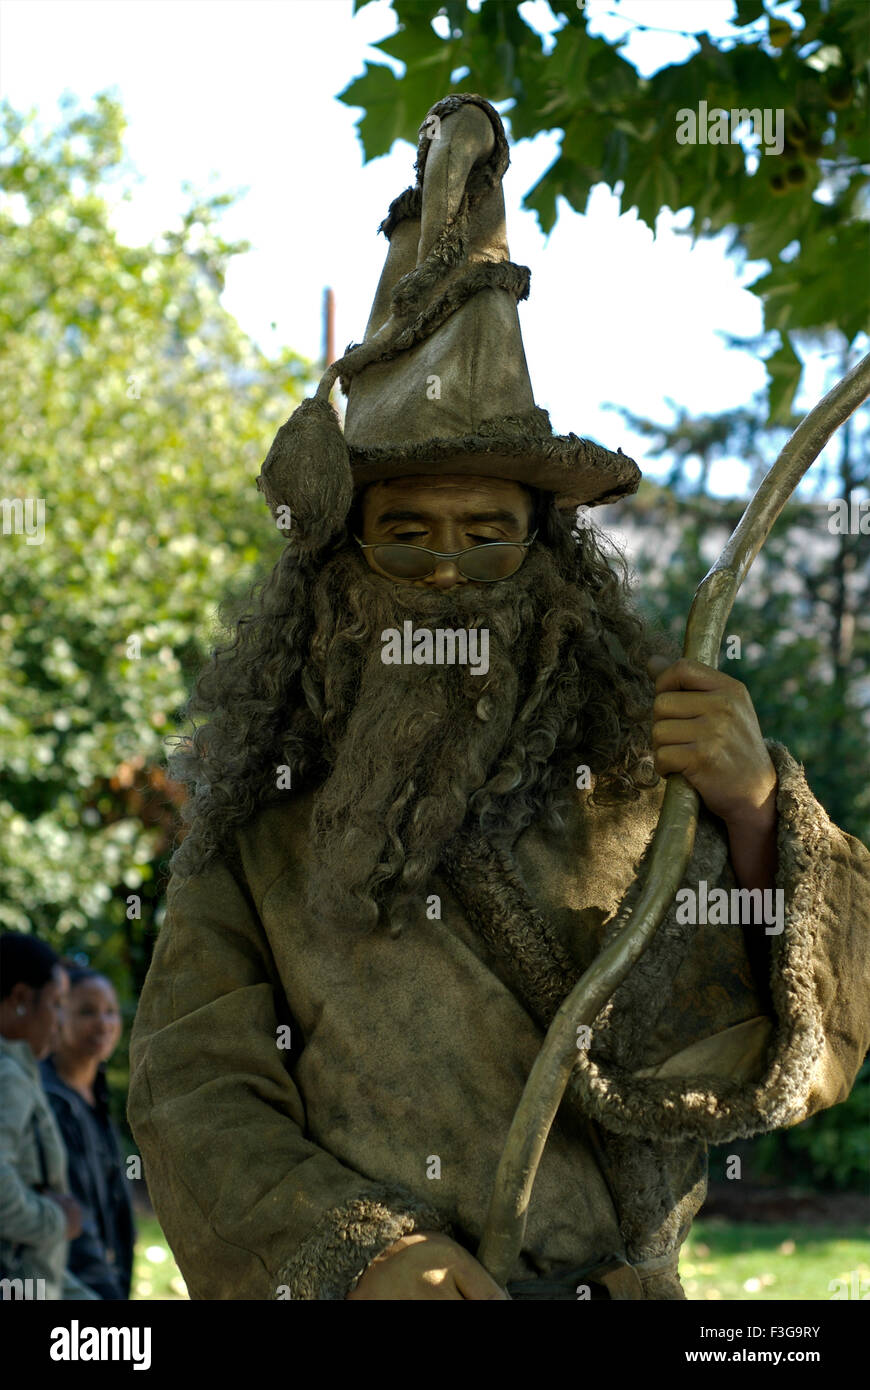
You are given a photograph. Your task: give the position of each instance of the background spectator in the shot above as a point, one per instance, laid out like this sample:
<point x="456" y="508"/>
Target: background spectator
<point x="38" y="1217"/>
<point x="75" y="1083"/>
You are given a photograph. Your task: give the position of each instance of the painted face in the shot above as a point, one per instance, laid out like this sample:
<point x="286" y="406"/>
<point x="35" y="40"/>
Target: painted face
<point x="443" y="513"/>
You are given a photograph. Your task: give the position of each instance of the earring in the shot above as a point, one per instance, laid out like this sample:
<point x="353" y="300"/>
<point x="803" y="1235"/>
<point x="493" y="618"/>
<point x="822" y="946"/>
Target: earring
<point x="20" y="1010"/>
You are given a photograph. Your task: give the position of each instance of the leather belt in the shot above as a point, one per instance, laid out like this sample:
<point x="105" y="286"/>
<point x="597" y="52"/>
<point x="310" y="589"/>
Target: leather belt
<point x="621" y="1279"/>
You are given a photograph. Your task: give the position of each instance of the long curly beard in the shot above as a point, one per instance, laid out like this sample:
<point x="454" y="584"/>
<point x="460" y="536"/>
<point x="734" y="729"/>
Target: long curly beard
<point x="415" y="749"/>
<point x="398" y="757"/>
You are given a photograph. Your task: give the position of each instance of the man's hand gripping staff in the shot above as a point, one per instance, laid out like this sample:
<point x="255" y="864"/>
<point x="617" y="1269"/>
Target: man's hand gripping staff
<point x="707" y="766"/>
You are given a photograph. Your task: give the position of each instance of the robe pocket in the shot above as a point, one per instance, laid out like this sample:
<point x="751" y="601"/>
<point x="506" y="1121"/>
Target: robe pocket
<point x="738" y="1053"/>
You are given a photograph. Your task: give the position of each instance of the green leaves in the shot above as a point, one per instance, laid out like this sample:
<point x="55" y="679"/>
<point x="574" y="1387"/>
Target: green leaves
<point x="621" y="130"/>
<point x="387" y="117"/>
<point x="829" y="269"/>
<point x="748" y="11"/>
<point x="122" y="408"/>
<point x="784" y="369"/>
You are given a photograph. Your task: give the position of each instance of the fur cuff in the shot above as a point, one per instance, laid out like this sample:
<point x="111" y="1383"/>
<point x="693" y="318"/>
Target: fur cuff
<point x="711" y="1102"/>
<point x="334" y="1256"/>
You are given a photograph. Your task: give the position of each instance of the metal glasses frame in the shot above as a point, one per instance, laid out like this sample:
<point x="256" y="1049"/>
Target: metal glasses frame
<point x="451" y="555"/>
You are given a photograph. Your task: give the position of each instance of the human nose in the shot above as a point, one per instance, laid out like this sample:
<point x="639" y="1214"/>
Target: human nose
<point x="446" y="574"/>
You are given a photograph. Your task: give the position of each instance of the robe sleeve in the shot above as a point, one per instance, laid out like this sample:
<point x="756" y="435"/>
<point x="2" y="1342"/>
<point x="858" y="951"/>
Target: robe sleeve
<point x="251" y="1207"/>
<point x="826" y="875"/>
<point x="705" y="1047"/>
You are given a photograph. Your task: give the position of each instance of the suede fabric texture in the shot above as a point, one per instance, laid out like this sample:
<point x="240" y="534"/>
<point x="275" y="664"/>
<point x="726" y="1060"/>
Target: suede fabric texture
<point x="440" y="381"/>
<point x="281" y="1171"/>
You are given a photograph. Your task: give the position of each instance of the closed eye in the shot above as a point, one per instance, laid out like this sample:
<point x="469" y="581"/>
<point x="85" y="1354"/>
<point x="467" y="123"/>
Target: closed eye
<point x="416" y="535"/>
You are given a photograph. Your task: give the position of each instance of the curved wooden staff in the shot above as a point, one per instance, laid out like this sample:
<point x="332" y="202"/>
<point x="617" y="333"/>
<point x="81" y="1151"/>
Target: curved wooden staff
<point x="672" y="843"/>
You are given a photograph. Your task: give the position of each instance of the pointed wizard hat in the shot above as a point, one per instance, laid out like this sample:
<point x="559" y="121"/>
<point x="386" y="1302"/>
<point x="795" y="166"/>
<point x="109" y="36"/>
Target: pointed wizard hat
<point x="439" y="383"/>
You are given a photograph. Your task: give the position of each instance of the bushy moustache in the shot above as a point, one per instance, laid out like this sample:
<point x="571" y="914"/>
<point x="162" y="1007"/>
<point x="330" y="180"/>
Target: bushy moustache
<point x="411" y="744"/>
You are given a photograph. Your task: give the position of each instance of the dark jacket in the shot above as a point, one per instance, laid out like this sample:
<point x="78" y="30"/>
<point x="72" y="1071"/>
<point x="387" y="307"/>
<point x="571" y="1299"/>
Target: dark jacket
<point x="102" y="1256"/>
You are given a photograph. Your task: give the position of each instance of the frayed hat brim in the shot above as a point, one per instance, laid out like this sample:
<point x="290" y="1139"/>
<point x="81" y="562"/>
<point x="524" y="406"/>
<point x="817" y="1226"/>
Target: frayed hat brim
<point x="578" y="471"/>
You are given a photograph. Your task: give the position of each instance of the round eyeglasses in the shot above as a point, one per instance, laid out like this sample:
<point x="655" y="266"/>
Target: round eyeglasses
<point x="485" y="563"/>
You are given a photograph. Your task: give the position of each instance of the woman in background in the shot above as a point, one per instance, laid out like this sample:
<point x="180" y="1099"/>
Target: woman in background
<point x="75" y="1083"/>
<point x="38" y="1217"/>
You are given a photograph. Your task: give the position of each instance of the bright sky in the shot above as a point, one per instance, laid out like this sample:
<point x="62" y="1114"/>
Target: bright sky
<point x="241" y="94"/>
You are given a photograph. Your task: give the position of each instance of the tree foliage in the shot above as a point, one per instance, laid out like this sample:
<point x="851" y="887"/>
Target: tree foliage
<point x="802" y="629"/>
<point x="135" y="409"/>
<point x="804" y="211"/>
<point x="803" y="614"/>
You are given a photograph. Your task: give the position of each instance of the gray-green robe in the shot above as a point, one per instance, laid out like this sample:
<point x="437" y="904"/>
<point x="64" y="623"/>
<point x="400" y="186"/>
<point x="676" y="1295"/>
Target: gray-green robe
<point x="282" y="1173"/>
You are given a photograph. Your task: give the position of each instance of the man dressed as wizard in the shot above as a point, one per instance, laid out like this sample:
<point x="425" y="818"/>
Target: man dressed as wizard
<point x="399" y="861"/>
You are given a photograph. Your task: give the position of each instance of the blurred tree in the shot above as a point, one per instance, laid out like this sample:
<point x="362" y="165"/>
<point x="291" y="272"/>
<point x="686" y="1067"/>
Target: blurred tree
<point x="135" y="412"/>
<point x="803" y="615"/>
<point x="802" y="624"/>
<point x="829" y="1150"/>
<point x="803" y="210"/>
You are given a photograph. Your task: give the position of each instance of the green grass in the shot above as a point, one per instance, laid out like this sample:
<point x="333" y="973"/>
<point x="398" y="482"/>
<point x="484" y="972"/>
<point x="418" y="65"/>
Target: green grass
<point x="155" y="1273"/>
<point x="753" y="1263"/>
<point x="720" y="1260"/>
